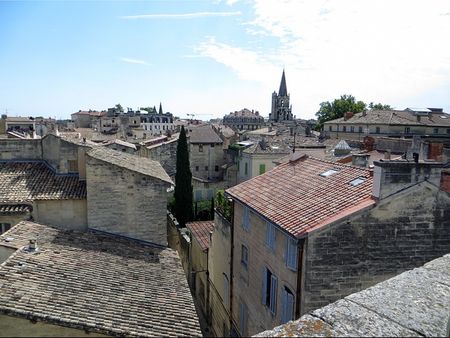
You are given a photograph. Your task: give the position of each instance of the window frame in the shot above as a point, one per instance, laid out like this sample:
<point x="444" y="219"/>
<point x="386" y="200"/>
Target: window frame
<point x="291" y="253"/>
<point x="244" y="256"/>
<point x="270" y="236"/>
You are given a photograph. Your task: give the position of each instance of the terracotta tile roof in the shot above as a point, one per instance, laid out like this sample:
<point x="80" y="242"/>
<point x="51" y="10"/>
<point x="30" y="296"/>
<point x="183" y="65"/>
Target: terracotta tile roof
<point x="200" y="231"/>
<point x="28" y="181"/>
<point x="295" y="197"/>
<point x="15" y="208"/>
<point x="95" y="282"/>
<point x="131" y="162"/>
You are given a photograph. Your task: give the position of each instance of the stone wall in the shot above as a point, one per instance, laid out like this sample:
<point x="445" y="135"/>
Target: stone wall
<point x="203" y="163"/>
<point x="399" y="233"/>
<point x="67" y="214"/>
<point x="60" y="154"/>
<point x="395" y="145"/>
<point x="15" y="149"/>
<point x="247" y="283"/>
<point x="125" y="202"/>
<point x="219" y="272"/>
<point x="165" y="154"/>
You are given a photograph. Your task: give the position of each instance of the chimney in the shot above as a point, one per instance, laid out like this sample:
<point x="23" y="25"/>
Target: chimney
<point x="360" y="160"/>
<point x="364" y="113"/>
<point x="387" y="155"/>
<point x="32" y="245"/>
<point x="418" y="118"/>
<point x="348" y="115"/>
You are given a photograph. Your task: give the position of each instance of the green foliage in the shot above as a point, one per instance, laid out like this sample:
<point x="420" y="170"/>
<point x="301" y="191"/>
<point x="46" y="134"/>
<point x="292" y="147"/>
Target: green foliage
<point x="223" y="206"/>
<point x="183" y="182"/>
<point x="379" y="106"/>
<point x="336" y="109"/>
<point x="204" y="210"/>
<point x="119" y="107"/>
<point x="148" y="110"/>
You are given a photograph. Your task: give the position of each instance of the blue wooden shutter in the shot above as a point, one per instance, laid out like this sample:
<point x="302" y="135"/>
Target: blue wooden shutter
<point x="273" y="294"/>
<point x="264" y="286"/>
<point x="289" y="306"/>
<point x="284" y="307"/>
<point x="291" y="254"/>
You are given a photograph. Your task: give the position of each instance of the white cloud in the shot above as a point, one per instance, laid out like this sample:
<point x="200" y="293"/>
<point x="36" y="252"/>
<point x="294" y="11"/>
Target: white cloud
<point x="182" y="15"/>
<point x="387" y="51"/>
<point x="134" y="61"/>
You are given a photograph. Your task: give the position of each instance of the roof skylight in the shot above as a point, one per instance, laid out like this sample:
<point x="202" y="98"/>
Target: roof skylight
<point x="357" y="181"/>
<point x="329" y="172"/>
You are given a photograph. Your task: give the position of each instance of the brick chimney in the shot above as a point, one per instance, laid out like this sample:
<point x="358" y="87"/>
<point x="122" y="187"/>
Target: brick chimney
<point x="348" y="115"/>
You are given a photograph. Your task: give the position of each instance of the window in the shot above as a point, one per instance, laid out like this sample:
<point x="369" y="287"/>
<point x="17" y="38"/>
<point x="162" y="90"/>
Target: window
<point x="269" y="291"/>
<point x="244" y="256"/>
<point x="407" y="130"/>
<point x="329" y="172"/>
<point x="226" y="295"/>
<point x="330" y="128"/>
<point x="198" y="195"/>
<point x="206" y="168"/>
<point x="212" y="145"/>
<point x="291" y="253"/>
<point x="262" y="169"/>
<point x="4" y="227"/>
<point x="216" y="168"/>
<point x="352" y="129"/>
<point x="246" y="219"/>
<point x="377" y="130"/>
<point x="270" y="235"/>
<point x="357" y="181"/>
<point x="196" y="168"/>
<point x="243" y="317"/>
<point x="360" y="130"/>
<point x="200" y="148"/>
<point x="344" y="129"/>
<point x="73" y="165"/>
<point x="246" y="169"/>
<point x="435" y="130"/>
<point x="287" y="305"/>
<point x="448" y="131"/>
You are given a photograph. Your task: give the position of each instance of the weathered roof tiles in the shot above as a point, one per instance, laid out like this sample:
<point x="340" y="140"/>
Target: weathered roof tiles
<point x="28" y="181"/>
<point x="96" y="282"/>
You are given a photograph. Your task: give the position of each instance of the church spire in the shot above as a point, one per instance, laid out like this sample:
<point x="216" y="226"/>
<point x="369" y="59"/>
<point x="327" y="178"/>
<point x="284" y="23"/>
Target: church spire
<point x="283" y="88"/>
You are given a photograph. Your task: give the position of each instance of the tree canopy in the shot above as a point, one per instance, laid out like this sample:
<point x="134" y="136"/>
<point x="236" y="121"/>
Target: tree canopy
<point x="183" y="182"/>
<point x="119" y="107"/>
<point x="346" y="103"/>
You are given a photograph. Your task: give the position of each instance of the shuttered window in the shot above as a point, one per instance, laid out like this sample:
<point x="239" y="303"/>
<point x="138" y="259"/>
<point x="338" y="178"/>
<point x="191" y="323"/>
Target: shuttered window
<point x="246" y="219"/>
<point x="291" y="253"/>
<point x="270" y="235"/>
<point x="287" y="305"/>
<point x="269" y="290"/>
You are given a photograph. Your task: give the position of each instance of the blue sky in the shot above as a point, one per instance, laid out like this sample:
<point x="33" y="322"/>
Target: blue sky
<point x="213" y="57"/>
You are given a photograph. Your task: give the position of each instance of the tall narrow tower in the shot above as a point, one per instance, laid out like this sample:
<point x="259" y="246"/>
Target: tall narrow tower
<point x="281" y="110"/>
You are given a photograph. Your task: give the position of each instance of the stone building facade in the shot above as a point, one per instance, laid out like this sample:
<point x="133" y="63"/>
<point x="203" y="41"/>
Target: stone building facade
<point x="244" y="119"/>
<point x="127" y="195"/>
<point x="296" y="249"/>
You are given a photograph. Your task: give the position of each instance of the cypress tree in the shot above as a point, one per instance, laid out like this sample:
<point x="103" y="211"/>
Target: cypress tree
<point x="183" y="182"/>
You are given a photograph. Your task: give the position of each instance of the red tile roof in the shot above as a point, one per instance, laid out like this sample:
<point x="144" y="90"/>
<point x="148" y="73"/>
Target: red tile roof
<point x="295" y="197"/>
<point x="200" y="230"/>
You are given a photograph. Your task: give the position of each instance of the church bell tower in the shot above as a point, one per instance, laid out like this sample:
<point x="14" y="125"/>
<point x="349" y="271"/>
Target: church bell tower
<point x="281" y="110"/>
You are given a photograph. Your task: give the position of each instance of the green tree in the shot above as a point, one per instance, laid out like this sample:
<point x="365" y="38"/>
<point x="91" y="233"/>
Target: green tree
<point x="183" y="182"/>
<point x="119" y="107"/>
<point x="336" y="109"/>
<point x="379" y="106"/>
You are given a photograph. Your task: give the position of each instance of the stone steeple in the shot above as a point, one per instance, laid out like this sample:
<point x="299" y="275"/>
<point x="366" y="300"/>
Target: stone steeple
<point x="281" y="110"/>
<point x="283" y="88"/>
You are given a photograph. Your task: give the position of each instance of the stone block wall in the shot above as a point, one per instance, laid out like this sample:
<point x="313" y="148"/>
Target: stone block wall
<point x="58" y="152"/>
<point x="165" y="154"/>
<point x="399" y="233"/>
<point x="15" y="149"/>
<point x="67" y="214"/>
<point x="125" y="202"/>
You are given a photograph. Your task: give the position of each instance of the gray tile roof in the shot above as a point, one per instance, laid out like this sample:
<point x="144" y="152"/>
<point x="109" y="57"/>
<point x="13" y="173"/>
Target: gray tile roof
<point x="204" y="134"/>
<point x="414" y="303"/>
<point x="396" y="117"/>
<point x="15" y="209"/>
<point x="131" y="162"/>
<point x="28" y="181"/>
<point x="94" y="282"/>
